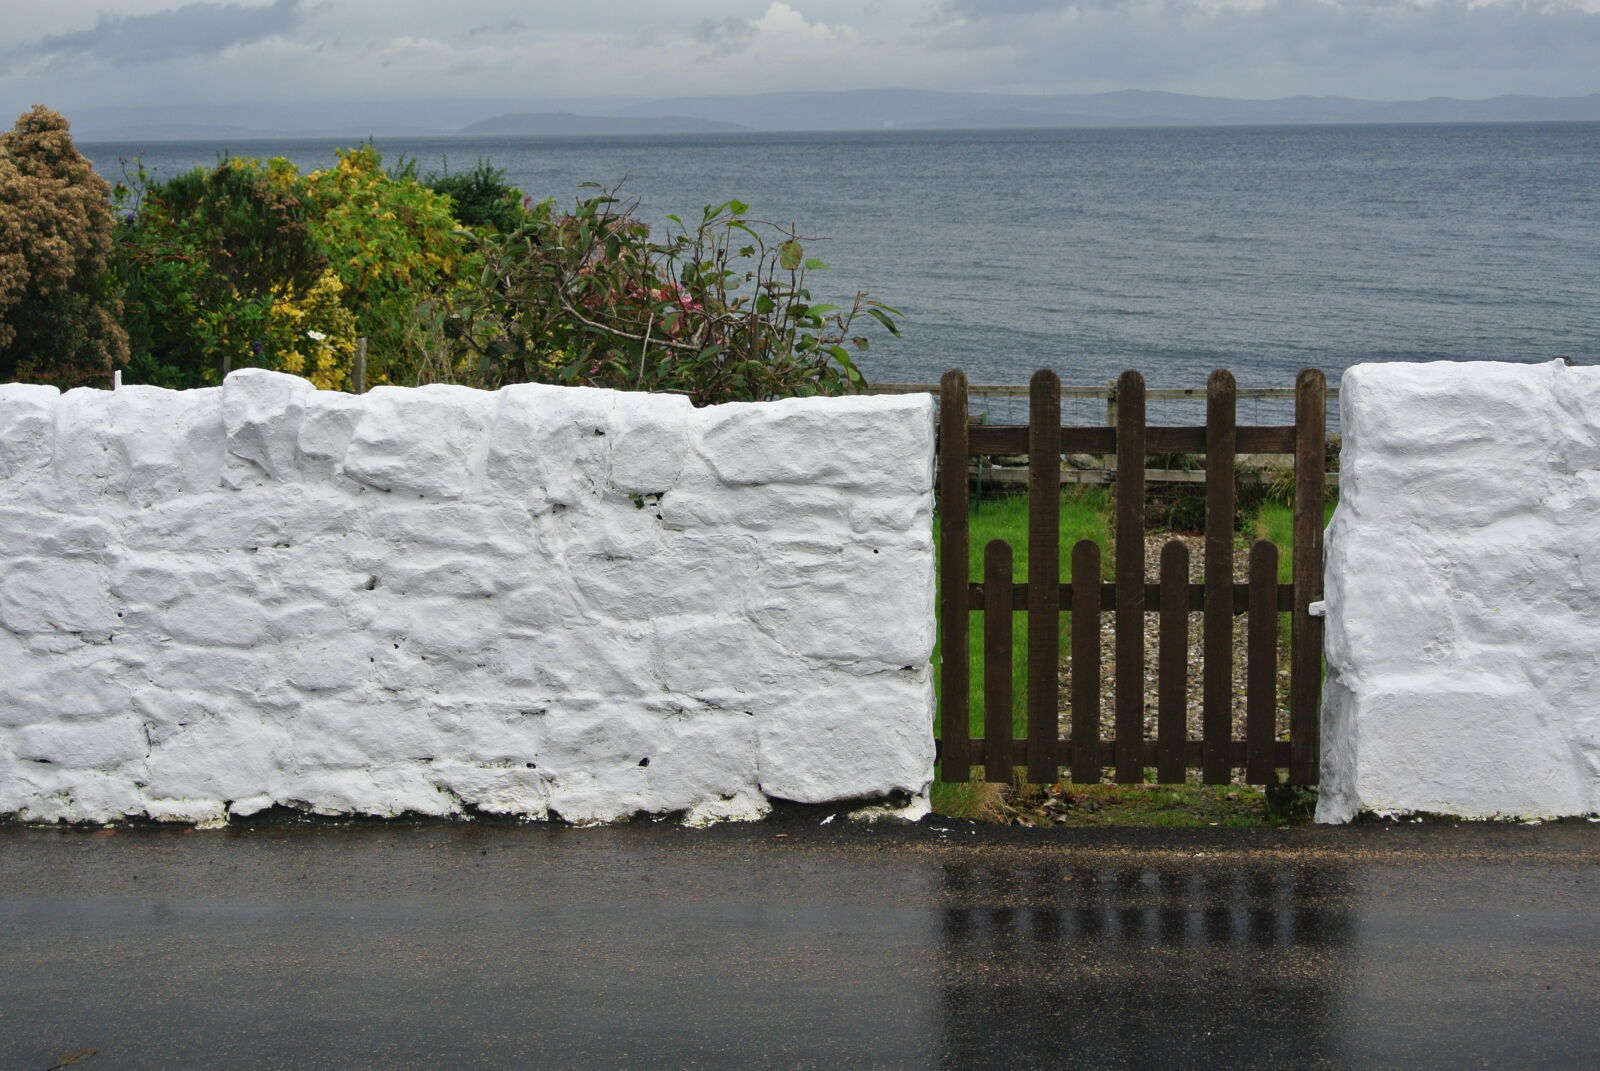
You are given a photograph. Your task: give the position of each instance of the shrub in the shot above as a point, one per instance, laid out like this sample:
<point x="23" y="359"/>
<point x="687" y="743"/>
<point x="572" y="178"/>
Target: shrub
<point x="396" y="248"/>
<point x="313" y="334"/>
<point x="251" y="263"/>
<point x="202" y="258"/>
<point x="58" y="303"/>
<point x="719" y="311"/>
<point x="481" y="198"/>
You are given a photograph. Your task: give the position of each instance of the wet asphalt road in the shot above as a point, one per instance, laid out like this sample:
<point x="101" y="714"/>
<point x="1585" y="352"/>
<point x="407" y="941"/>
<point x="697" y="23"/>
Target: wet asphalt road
<point x="793" y="944"/>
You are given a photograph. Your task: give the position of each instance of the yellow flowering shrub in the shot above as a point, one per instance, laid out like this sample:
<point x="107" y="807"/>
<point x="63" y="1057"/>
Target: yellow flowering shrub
<point x="395" y="246"/>
<point x="314" y="335"/>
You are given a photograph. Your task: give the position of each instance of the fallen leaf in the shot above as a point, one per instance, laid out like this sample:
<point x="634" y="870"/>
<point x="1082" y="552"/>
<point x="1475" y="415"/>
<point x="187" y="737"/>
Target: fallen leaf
<point x="76" y="1056"/>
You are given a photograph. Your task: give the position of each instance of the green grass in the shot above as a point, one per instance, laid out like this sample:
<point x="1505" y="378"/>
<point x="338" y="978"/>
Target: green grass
<point x="1275" y="521"/>
<point x="1145" y="806"/>
<point x="1152" y="806"/>
<point x="1084" y="515"/>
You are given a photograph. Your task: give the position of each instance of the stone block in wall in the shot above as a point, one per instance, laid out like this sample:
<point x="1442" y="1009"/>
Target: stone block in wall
<point x="423" y="441"/>
<point x="1476" y="746"/>
<point x="172" y="440"/>
<point x="221" y="755"/>
<point x="701" y="654"/>
<point x="27" y="427"/>
<point x="87" y="462"/>
<point x="1463" y="594"/>
<point x="550" y="444"/>
<point x="826" y="744"/>
<point x="880" y="444"/>
<point x="327" y="425"/>
<point x="36" y="532"/>
<point x="261" y="414"/>
<point x="44" y="595"/>
<point x="649" y="436"/>
<point x="800" y="585"/>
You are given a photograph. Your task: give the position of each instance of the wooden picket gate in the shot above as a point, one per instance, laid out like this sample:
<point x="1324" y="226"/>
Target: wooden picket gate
<point x="1043" y="750"/>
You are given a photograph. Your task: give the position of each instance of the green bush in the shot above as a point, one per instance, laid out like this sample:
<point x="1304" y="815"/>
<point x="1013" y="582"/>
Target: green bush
<point x="480" y="199"/>
<point x="202" y="259"/>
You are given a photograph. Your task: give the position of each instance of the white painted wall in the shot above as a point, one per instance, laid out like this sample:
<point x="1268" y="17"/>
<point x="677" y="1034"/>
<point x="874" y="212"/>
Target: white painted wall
<point x="1463" y="590"/>
<point x="539" y="601"/>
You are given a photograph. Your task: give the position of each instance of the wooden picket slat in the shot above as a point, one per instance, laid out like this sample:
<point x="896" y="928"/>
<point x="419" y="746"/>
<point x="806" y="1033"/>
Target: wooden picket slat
<point x="1085" y="660"/>
<point x="954" y="675"/>
<point x="1261" y="665"/>
<point x="997" y="608"/>
<point x="1129" y="621"/>
<point x="1305" y="631"/>
<point x="1216" y="717"/>
<point x="1172" y="659"/>
<point x="1044" y="575"/>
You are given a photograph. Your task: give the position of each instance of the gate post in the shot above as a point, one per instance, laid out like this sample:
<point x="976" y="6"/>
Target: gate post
<point x="1044" y="575"/>
<point x="1305" y="631"/>
<point x="1130" y="578"/>
<point x="955" y="762"/>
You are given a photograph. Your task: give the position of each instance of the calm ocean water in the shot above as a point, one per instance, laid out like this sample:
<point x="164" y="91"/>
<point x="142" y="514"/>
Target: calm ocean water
<point x="1172" y="251"/>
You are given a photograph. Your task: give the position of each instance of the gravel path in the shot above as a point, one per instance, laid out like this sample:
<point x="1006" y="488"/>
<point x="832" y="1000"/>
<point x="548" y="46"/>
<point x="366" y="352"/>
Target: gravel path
<point x="1153" y="545"/>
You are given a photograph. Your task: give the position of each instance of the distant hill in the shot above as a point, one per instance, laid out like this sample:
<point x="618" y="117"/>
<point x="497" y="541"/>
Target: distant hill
<point x="530" y="124"/>
<point x="853" y="109"/>
<point x="876" y="109"/>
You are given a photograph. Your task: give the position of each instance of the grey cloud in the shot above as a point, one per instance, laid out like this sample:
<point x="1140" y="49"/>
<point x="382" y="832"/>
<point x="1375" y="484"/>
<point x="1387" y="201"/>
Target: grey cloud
<point x="498" y="29"/>
<point x="200" y="29"/>
<point x="725" y="35"/>
<point x="987" y="9"/>
<point x="1375" y="47"/>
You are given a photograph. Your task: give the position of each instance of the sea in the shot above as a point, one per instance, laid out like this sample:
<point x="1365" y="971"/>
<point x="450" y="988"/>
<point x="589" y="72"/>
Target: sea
<point x="1172" y="251"/>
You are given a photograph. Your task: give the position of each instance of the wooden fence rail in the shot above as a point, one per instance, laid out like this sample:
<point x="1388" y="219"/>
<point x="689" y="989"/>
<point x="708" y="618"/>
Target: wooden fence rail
<point x="1152" y="394"/>
<point x="1273" y="739"/>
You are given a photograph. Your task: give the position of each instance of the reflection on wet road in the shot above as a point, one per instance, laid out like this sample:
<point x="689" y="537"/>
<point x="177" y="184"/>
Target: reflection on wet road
<point x="1144" y="965"/>
<point x="798" y="945"/>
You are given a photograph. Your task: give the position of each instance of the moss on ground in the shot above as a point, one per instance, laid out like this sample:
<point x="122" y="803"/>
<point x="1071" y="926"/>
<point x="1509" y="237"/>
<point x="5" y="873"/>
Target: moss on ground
<point x="1154" y="806"/>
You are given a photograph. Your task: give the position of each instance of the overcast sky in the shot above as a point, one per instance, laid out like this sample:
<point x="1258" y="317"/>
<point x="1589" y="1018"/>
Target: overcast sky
<point x="86" y="53"/>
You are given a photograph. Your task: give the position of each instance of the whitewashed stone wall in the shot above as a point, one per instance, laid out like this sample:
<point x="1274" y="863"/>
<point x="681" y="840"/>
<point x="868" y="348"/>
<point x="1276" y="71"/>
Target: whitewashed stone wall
<point x="1463" y="591"/>
<point x="539" y="601"/>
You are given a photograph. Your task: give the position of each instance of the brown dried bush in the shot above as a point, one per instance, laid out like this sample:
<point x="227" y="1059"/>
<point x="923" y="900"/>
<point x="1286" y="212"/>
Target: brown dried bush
<point x="58" y="308"/>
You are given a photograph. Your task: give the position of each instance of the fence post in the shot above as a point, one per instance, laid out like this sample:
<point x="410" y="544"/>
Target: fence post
<point x="361" y="365"/>
<point x="954" y="678"/>
<point x="1130" y="578"/>
<point x="1044" y="575"/>
<point x="1216" y="717"/>
<point x="1305" y="631"/>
